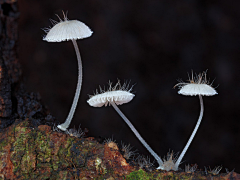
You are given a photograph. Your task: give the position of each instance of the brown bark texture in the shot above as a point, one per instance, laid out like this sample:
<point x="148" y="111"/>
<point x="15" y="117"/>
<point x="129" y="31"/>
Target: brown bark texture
<point x="45" y="153"/>
<point x="15" y="102"/>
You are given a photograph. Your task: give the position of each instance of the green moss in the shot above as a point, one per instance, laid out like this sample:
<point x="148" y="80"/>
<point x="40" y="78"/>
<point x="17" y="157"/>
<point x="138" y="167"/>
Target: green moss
<point x="139" y="175"/>
<point x="61" y="161"/>
<point x="19" y="148"/>
<point x="3" y="143"/>
<point x="55" y="162"/>
<point x="68" y="146"/>
<point x="36" y="155"/>
<point x="41" y="154"/>
<point x="42" y="149"/>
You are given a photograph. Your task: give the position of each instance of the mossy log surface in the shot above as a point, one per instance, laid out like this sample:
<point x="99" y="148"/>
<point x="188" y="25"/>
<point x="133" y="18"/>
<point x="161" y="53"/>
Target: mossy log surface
<point x="40" y="153"/>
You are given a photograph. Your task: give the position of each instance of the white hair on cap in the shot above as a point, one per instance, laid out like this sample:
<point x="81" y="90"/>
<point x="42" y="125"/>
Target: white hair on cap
<point x="66" y="30"/>
<point x="117" y="94"/>
<point x="198" y="85"/>
<point x="119" y="97"/>
<point x="197" y="89"/>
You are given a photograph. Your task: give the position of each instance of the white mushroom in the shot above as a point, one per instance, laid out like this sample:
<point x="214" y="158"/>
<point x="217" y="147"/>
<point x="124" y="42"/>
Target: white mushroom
<point x="118" y="95"/>
<point x="66" y="30"/>
<point x="197" y="86"/>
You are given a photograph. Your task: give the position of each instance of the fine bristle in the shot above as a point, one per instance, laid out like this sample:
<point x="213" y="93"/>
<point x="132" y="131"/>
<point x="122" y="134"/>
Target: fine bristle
<point x="117" y="94"/>
<point x="190" y="169"/>
<point x="198" y="85"/>
<point x="66" y="30"/>
<point x="169" y="163"/>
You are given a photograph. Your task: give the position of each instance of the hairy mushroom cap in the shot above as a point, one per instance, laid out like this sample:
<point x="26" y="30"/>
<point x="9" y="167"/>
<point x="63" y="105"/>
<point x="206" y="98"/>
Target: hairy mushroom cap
<point x="117" y="94"/>
<point x="66" y="30"/>
<point x="196" y="86"/>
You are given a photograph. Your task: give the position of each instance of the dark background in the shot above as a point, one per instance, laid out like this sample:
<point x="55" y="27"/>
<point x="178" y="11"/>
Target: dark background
<point x="152" y="43"/>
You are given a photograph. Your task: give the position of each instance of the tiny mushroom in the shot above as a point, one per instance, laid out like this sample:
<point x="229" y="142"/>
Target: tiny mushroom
<point x="119" y="95"/>
<point x="66" y="30"/>
<point x="197" y="86"/>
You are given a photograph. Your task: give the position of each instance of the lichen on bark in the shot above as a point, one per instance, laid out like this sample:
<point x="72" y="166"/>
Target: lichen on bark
<point x="41" y="153"/>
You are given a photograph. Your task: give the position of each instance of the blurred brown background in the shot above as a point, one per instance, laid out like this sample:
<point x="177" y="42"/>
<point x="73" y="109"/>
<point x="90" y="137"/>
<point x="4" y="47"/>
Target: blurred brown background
<point x="152" y="43"/>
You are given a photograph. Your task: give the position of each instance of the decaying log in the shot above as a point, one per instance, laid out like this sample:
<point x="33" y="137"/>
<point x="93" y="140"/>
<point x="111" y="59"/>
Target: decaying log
<point x="44" y="153"/>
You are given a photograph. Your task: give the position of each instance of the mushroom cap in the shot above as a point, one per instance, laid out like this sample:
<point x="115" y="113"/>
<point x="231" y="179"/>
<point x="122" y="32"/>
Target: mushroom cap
<point x="119" y="97"/>
<point x="68" y="30"/>
<point x="199" y="85"/>
<point x="193" y="89"/>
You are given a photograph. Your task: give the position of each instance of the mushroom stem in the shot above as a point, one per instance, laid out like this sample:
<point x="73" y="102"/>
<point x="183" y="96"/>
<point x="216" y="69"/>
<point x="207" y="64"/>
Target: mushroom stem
<point x="159" y="160"/>
<point x="193" y="134"/>
<point x="66" y="124"/>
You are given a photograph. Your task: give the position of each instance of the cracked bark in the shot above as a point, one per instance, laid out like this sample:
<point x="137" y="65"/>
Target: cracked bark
<point x="15" y="101"/>
<point x="9" y="65"/>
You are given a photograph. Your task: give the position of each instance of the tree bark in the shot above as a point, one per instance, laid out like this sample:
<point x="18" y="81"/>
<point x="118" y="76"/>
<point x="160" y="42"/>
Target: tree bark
<point x="10" y="71"/>
<point x="15" y="101"/>
<point x="43" y="153"/>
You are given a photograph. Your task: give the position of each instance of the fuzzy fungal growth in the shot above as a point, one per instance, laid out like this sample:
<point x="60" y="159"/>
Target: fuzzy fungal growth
<point x="66" y="30"/>
<point x="169" y="163"/>
<point x="110" y="143"/>
<point x="200" y="86"/>
<point x="127" y="151"/>
<point x="216" y="170"/>
<point x="190" y="169"/>
<point x="144" y="162"/>
<point x="76" y="133"/>
<point x="118" y="95"/>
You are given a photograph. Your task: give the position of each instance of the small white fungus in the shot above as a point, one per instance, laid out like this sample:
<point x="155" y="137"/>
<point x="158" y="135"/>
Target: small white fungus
<point x="117" y="94"/>
<point x="197" y="89"/>
<point x="196" y="86"/>
<point x="119" y="97"/>
<point x="63" y="31"/>
<point x="169" y="163"/>
<point x="200" y="86"/>
<point x="66" y="30"/>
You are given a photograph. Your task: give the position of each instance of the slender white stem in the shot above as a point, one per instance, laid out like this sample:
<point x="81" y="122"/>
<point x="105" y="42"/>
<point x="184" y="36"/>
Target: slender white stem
<point x="159" y="160"/>
<point x="193" y="134"/>
<point x="66" y="124"/>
